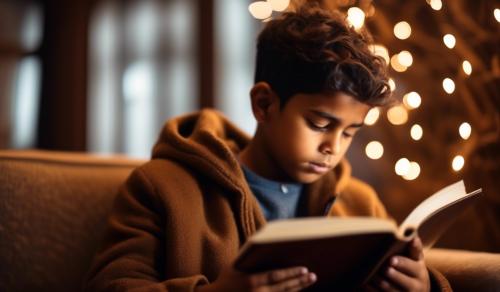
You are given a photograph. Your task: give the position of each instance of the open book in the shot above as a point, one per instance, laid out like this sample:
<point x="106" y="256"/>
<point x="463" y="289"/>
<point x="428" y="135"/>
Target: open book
<point x="345" y="252"/>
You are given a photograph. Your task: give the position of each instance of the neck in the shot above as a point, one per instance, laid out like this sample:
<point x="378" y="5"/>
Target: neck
<point x="256" y="156"/>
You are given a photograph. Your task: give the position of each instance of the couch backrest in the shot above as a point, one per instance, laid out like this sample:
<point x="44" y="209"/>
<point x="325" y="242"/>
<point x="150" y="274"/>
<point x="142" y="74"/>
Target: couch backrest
<point x="53" y="209"/>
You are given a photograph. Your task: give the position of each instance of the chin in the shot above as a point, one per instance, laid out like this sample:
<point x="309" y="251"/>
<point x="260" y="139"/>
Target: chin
<point x="307" y="178"/>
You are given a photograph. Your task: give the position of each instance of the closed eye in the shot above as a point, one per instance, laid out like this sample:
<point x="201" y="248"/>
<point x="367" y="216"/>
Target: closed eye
<point x="317" y="127"/>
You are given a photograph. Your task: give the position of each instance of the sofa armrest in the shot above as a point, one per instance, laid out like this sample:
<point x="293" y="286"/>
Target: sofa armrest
<point x="467" y="270"/>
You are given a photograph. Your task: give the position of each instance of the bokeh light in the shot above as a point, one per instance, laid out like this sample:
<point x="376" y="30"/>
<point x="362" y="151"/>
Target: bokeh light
<point x="374" y="150"/>
<point x="402" y="166"/>
<point x="412" y="100"/>
<point x="448" y="85"/>
<point x="397" y="115"/>
<point x="465" y="130"/>
<point x="279" y="5"/>
<point x="260" y="9"/>
<point x="402" y="30"/>
<point x="449" y="41"/>
<point x="372" y="116"/>
<point x="416" y="132"/>
<point x="356" y="17"/>
<point x="405" y="58"/>
<point x="467" y="67"/>
<point x="458" y="163"/>
<point x="398" y="67"/>
<point x="413" y="171"/>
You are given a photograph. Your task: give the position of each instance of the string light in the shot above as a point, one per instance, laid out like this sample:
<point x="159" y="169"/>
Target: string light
<point x="412" y="100"/>
<point x="356" y="17"/>
<point x="381" y="51"/>
<point x="496" y="13"/>
<point x="260" y="9"/>
<point x="402" y="30"/>
<point x="413" y="171"/>
<point x="465" y="130"/>
<point x="458" y="163"/>
<point x="279" y="5"/>
<point x="448" y="85"/>
<point x="416" y="132"/>
<point x="397" y="115"/>
<point x="374" y="150"/>
<point x="405" y="58"/>
<point x="435" y="4"/>
<point x="466" y="65"/>
<point x="392" y="84"/>
<point x="402" y="166"/>
<point x="372" y="116"/>
<point x="449" y="41"/>
<point x="398" y="67"/>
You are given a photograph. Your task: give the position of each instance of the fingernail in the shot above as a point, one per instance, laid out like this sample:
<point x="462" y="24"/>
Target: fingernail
<point x="394" y="261"/>
<point x="312" y="277"/>
<point x="303" y="271"/>
<point x="390" y="271"/>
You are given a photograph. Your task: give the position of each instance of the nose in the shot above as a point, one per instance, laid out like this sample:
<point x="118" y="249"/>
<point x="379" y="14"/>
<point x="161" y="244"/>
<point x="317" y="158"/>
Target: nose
<point x="332" y="144"/>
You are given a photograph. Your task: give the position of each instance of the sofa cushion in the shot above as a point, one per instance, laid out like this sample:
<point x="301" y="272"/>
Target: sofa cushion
<point x="53" y="208"/>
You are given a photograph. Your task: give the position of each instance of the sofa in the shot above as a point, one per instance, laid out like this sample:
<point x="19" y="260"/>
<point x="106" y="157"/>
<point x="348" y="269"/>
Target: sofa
<point x="53" y="209"/>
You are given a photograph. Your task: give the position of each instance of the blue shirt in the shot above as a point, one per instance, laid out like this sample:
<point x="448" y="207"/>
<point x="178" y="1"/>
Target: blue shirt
<point x="277" y="200"/>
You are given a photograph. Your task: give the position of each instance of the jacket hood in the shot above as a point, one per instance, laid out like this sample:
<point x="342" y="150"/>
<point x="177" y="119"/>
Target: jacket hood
<point x="208" y="143"/>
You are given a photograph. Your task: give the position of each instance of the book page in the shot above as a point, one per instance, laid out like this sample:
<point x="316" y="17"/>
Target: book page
<point x="320" y="227"/>
<point x="436" y="213"/>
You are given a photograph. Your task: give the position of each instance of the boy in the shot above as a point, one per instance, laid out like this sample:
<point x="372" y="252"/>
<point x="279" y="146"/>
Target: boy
<point x="181" y="218"/>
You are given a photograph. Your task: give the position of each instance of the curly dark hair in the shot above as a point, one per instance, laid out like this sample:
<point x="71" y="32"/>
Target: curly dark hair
<point x="313" y="50"/>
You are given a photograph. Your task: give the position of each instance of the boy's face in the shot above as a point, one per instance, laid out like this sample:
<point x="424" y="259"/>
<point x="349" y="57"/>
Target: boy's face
<point x="311" y="133"/>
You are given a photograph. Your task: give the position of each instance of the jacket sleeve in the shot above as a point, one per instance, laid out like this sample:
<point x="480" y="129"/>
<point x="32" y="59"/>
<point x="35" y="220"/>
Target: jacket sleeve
<point x="131" y="258"/>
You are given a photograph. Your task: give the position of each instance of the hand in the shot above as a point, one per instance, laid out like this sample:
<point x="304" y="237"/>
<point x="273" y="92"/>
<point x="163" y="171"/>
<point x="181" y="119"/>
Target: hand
<point x="290" y="279"/>
<point x="405" y="273"/>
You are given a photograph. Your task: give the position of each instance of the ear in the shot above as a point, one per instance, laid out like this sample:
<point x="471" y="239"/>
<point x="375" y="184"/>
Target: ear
<point x="264" y="101"/>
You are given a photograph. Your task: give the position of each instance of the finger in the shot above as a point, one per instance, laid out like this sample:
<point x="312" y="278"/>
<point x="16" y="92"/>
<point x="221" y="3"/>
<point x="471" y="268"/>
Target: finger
<point x="401" y="280"/>
<point x="408" y="266"/>
<point x="276" y="276"/>
<point x="295" y="284"/>
<point x="386" y="285"/>
<point x="416" y="249"/>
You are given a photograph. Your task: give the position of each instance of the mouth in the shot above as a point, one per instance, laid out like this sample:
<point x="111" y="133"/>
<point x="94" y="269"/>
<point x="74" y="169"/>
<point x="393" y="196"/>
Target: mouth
<point x="319" y="167"/>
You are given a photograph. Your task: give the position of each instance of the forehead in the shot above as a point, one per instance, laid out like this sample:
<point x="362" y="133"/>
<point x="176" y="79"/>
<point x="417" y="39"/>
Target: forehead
<point x="339" y="104"/>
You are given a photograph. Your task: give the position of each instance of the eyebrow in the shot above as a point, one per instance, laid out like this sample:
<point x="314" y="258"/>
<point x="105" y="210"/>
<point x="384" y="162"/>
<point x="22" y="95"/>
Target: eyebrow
<point x="335" y="118"/>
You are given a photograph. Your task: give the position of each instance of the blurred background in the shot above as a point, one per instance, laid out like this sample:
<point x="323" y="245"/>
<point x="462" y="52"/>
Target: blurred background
<point x="102" y="76"/>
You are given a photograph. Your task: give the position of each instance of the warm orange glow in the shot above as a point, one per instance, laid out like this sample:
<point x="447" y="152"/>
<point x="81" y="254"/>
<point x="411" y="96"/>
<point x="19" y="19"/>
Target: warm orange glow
<point x="260" y="9"/>
<point x="279" y="5"/>
<point x="397" y="115"/>
<point x="398" y="67"/>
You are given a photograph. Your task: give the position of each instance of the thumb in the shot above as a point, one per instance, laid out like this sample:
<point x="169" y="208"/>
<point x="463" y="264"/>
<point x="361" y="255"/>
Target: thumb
<point x="416" y="249"/>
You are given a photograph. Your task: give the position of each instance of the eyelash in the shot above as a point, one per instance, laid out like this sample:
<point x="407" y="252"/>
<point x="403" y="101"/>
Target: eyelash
<point x="324" y="129"/>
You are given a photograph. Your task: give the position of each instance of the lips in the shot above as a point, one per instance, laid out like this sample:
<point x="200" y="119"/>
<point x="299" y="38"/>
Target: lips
<point x="319" y="167"/>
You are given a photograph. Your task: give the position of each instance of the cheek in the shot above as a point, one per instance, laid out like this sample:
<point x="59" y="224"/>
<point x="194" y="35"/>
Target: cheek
<point x="301" y="143"/>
